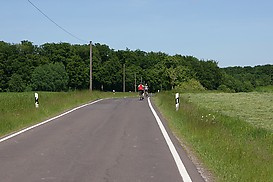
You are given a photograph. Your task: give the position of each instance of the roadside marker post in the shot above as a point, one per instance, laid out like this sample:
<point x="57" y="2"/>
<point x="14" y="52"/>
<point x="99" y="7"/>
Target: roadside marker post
<point x="177" y="101"/>
<point x="36" y="100"/>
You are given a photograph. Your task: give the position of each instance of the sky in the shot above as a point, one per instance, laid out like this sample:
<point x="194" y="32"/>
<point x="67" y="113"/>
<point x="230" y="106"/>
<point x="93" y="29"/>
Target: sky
<point x="231" y="32"/>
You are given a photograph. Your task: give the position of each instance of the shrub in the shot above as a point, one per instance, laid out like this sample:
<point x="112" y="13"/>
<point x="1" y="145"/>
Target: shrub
<point x="191" y="85"/>
<point x="225" y="88"/>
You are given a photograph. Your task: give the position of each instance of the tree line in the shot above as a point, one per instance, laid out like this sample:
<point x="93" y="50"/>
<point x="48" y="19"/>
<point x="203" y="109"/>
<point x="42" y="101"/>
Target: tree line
<point x="62" y="67"/>
<point x="243" y="79"/>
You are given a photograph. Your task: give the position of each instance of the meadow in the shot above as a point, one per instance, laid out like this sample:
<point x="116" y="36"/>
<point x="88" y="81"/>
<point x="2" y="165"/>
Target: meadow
<point x="230" y="133"/>
<point x="17" y="110"/>
<point x="255" y="107"/>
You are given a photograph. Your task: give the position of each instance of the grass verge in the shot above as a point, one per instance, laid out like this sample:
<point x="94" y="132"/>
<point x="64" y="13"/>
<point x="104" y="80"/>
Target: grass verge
<point x="17" y="110"/>
<point x="234" y="150"/>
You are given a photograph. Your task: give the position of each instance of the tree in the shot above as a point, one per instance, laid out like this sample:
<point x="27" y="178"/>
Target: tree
<point x="78" y="73"/>
<point x="161" y="71"/>
<point x="233" y="84"/>
<point x="247" y="78"/>
<point x="7" y="53"/>
<point x="178" y="75"/>
<point x="16" y="83"/>
<point x="50" y="77"/>
<point x="110" y="75"/>
<point x="209" y="74"/>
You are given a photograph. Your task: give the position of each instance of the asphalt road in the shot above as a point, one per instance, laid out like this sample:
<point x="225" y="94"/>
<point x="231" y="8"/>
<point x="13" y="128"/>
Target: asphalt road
<point x="111" y="140"/>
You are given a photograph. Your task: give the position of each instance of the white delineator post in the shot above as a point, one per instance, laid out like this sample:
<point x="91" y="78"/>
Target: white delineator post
<point x="36" y="100"/>
<point x="177" y="101"/>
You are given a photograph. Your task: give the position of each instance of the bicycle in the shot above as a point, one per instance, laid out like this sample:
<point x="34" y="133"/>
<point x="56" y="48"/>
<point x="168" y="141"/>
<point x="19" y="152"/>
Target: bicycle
<point x="146" y="94"/>
<point x="141" y="95"/>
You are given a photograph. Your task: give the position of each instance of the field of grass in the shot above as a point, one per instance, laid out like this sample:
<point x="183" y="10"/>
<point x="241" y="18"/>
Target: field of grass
<point x="255" y="107"/>
<point x="227" y="139"/>
<point x="17" y="110"/>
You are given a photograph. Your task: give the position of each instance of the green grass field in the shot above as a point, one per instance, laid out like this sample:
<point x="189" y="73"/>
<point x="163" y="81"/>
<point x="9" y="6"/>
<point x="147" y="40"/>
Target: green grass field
<point x="255" y="107"/>
<point x="231" y="137"/>
<point x="17" y="110"/>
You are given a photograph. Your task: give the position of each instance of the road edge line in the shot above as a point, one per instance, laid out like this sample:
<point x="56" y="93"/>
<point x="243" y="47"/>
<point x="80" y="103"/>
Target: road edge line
<point x="181" y="168"/>
<point x="46" y="121"/>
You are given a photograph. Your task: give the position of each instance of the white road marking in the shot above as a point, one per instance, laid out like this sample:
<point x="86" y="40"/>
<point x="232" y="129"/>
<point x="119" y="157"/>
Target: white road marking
<point x="44" y="122"/>
<point x="182" y="170"/>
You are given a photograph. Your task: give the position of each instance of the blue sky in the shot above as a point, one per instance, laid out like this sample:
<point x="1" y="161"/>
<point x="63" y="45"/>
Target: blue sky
<point x="231" y="32"/>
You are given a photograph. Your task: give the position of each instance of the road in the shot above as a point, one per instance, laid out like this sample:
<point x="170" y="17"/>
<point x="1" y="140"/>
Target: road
<point x="111" y="140"/>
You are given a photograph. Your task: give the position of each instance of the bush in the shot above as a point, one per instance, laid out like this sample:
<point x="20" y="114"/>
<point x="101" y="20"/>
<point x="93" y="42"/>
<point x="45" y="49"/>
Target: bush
<point x="225" y="88"/>
<point x="191" y="85"/>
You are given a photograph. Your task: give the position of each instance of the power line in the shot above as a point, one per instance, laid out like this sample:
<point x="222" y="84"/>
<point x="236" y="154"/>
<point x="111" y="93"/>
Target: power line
<point x="55" y="22"/>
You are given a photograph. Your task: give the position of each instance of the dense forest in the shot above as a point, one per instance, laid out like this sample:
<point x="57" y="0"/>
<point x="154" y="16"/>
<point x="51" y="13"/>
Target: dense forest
<point x="62" y="67"/>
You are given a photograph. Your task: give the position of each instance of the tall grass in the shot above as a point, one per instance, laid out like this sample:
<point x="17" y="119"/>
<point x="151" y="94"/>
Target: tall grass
<point x="17" y="110"/>
<point x="232" y="149"/>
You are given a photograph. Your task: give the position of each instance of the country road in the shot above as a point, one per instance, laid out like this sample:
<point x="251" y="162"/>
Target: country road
<point x="113" y="140"/>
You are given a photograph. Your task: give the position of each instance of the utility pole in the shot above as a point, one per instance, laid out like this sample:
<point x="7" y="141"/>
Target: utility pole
<point x="135" y="82"/>
<point x="123" y="77"/>
<point x="90" y="87"/>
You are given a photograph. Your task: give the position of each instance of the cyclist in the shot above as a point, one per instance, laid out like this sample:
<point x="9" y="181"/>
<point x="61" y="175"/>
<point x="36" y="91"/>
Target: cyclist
<point x="141" y="91"/>
<point x="146" y="88"/>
